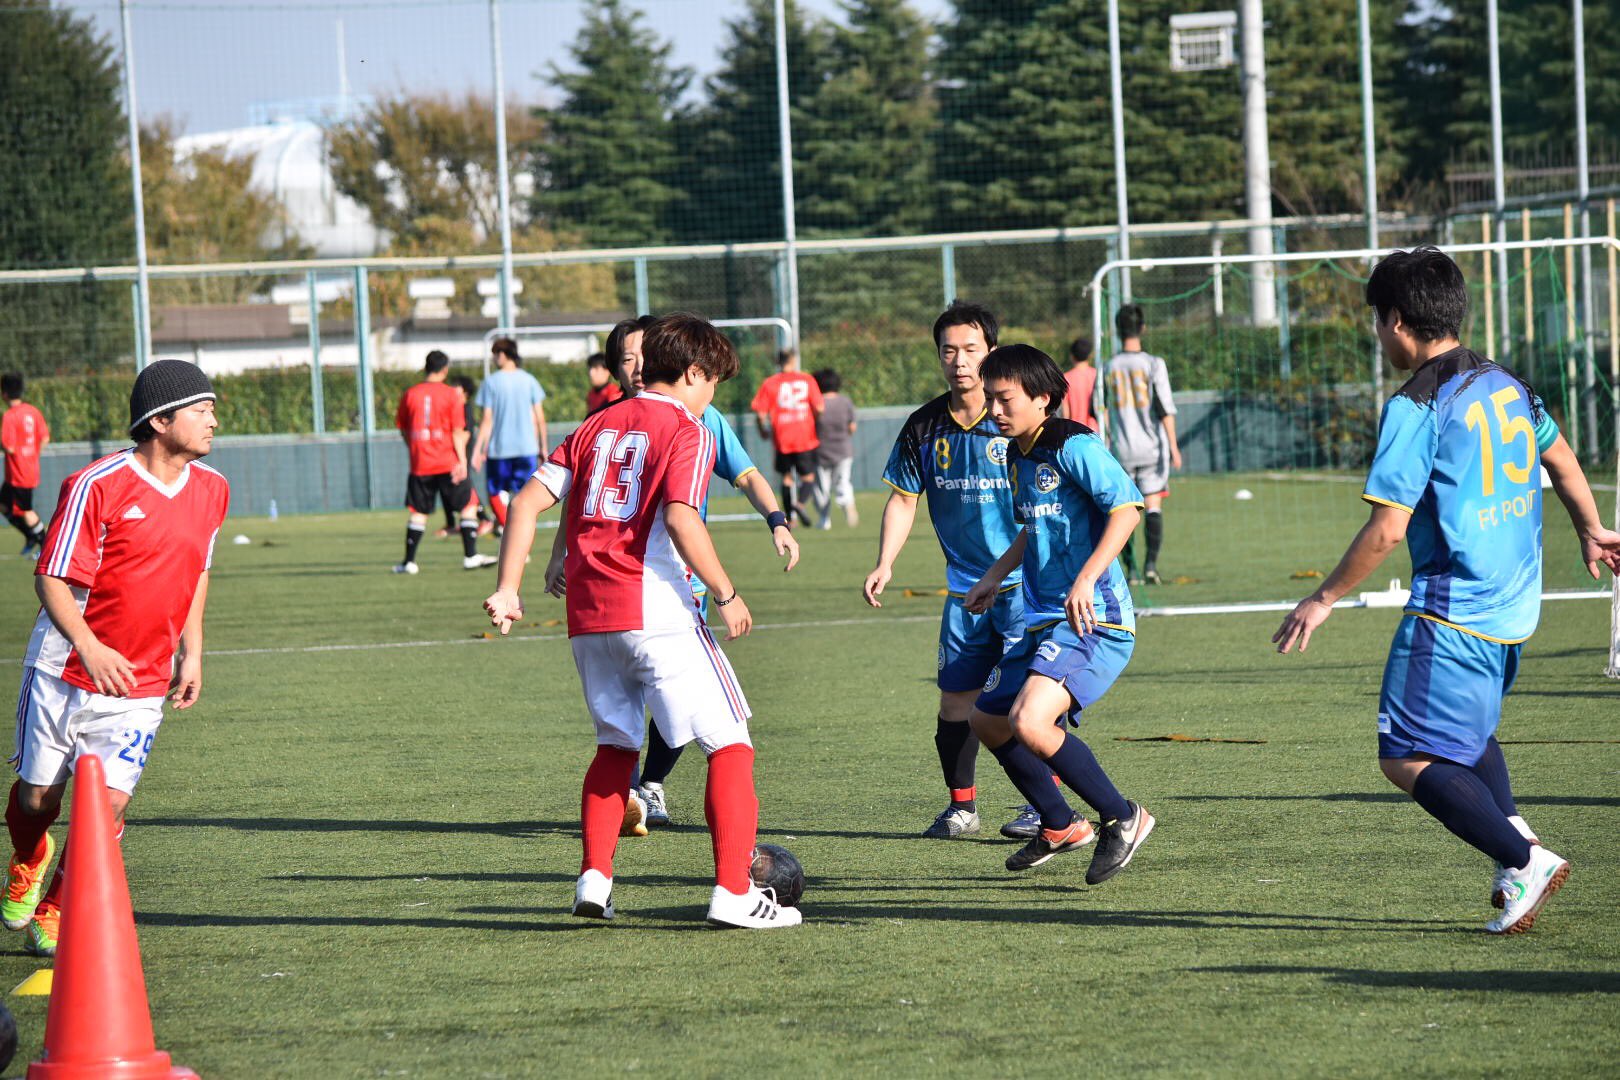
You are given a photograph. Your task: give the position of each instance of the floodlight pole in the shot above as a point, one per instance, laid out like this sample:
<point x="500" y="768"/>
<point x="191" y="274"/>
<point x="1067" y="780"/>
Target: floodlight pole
<point x="1121" y="196"/>
<point x="1257" y="165"/>
<point x="1369" y="154"/>
<point x="500" y="163"/>
<point x="1498" y="183"/>
<point x="1583" y="182"/>
<point x="790" y="231"/>
<point x="143" y="286"/>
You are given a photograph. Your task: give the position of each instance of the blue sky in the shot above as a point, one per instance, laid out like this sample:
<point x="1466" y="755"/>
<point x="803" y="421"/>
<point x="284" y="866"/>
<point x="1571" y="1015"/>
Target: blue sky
<point x="207" y="63"/>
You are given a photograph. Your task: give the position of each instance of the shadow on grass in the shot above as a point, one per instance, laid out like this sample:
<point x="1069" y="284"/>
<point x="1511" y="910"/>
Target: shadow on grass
<point x="516" y="829"/>
<point x="1516" y="981"/>
<point x="1393" y="797"/>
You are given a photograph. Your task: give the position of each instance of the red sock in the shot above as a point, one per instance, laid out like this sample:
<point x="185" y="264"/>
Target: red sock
<point x="732" y="810"/>
<point x="27" y="832"/>
<point x="497" y="503"/>
<point x="601" y="812"/>
<point x="53" y="891"/>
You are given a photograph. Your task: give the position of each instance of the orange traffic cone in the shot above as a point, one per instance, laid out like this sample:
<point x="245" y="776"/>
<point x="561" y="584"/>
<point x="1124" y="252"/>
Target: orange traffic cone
<point x="98" y="1026"/>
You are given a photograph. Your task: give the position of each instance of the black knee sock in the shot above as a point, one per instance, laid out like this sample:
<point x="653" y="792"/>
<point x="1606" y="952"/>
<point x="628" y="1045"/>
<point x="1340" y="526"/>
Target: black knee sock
<point x="787" y="497"/>
<point x="1461" y="802"/>
<point x="1033" y="780"/>
<point x="469" y="537"/>
<point x="1153" y="530"/>
<point x="958" y="751"/>
<point x="1491" y="768"/>
<point x="1127" y="556"/>
<point x="413" y="537"/>
<point x="20" y="525"/>
<point x="661" y="758"/>
<point x="39" y="531"/>
<point x="1078" y="768"/>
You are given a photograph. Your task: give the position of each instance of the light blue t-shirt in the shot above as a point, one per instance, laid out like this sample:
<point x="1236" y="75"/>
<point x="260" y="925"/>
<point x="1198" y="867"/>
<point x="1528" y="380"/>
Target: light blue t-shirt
<point x="1460" y="450"/>
<point x="731" y="464"/>
<point x="1064" y="490"/>
<point x="512" y="395"/>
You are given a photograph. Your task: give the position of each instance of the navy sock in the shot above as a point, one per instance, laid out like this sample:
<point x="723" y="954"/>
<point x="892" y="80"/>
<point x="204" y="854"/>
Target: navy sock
<point x="1461" y="802"/>
<point x="1033" y="779"/>
<point x="1491" y="768"/>
<point x="958" y="752"/>
<point x="661" y="757"/>
<point x="1077" y="766"/>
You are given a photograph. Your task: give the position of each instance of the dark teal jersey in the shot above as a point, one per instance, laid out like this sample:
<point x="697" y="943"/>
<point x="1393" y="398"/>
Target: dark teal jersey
<point x="963" y="473"/>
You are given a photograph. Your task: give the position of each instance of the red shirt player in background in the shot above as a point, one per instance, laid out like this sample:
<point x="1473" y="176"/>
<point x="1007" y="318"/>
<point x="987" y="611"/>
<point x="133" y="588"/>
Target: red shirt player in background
<point x="431" y="417"/>
<point x="634" y="478"/>
<point x="787" y="405"/>
<point x="123" y="580"/>
<point x="604" y="390"/>
<point x="1082" y="380"/>
<point x="23" y="435"/>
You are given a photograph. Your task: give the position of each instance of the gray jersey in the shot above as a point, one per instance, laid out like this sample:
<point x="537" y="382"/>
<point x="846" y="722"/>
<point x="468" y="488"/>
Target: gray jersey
<point x="832" y="428"/>
<point x="1138" y="390"/>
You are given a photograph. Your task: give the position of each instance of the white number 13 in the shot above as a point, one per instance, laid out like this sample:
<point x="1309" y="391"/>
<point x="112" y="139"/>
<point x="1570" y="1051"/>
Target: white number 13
<point x="620" y="499"/>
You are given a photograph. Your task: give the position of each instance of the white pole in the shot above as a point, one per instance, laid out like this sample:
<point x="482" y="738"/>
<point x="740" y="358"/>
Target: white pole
<point x="500" y="162"/>
<point x="1369" y="151"/>
<point x="1495" y="46"/>
<point x="1257" y="164"/>
<point x="789" y="222"/>
<point x="343" y="72"/>
<point x="143" y="287"/>
<point x="1121" y="196"/>
<point x="1583" y="181"/>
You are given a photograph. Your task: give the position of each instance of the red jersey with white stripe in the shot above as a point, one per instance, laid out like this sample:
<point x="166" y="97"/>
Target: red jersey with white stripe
<point x="132" y="548"/>
<point x="790" y="400"/>
<point x="429" y="414"/>
<point x="22" y="433"/>
<point x="616" y="473"/>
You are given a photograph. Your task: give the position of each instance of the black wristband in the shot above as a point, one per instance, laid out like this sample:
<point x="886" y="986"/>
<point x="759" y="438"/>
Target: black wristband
<point x="776" y="520"/>
<point x="722" y="603"/>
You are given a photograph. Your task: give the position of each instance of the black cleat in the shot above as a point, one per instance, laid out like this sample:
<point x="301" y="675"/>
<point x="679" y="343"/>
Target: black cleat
<point x="1118" y="843"/>
<point x="1050" y="842"/>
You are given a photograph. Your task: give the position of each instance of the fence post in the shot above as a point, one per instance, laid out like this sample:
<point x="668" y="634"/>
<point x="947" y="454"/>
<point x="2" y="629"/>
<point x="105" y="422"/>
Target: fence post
<point x="1215" y="245"/>
<point x="317" y="391"/>
<point x="947" y="271"/>
<point x="643" y="305"/>
<point x="1285" y="342"/>
<point x="362" y="372"/>
<point x="140" y="339"/>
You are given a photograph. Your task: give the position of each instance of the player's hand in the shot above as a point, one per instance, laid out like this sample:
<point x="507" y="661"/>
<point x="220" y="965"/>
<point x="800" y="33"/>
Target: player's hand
<point x="505" y="607"/>
<point x="557" y="577"/>
<point x="875" y="581"/>
<point x="107" y="668"/>
<point x="1175" y="458"/>
<point x="1080" y="605"/>
<point x="458" y="472"/>
<point x="979" y="598"/>
<point x="786" y="546"/>
<point x="187" y="683"/>
<point x="1601" y="547"/>
<point x="1309" y="614"/>
<point x="736" y="616"/>
<point x="478" y="459"/>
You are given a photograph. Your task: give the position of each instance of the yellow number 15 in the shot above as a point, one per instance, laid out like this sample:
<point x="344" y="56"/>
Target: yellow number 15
<point x="1511" y="427"/>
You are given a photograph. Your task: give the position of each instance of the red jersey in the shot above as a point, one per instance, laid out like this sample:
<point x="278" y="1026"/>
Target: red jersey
<point x="22" y="434"/>
<point x="429" y="414"/>
<point x="607" y="394"/>
<point x="132" y="549"/>
<point x="616" y="473"/>
<point x="1077" y="401"/>
<point x="790" y="401"/>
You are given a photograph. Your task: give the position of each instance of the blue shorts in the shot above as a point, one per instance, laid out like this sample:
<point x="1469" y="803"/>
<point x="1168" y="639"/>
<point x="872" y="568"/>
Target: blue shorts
<point x="509" y="473"/>
<point x="1442" y="692"/>
<point x="970" y="646"/>
<point x="1086" y="666"/>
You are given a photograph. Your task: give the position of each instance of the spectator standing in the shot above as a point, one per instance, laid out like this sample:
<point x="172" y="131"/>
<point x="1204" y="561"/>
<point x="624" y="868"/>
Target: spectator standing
<point x="835" y="427"/>
<point x="512" y="429"/>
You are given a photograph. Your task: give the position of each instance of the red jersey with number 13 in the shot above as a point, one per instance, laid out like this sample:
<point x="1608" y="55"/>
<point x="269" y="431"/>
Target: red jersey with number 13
<point x="615" y="474"/>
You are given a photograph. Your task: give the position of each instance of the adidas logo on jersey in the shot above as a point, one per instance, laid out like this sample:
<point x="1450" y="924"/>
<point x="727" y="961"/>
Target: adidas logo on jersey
<point x="134" y="513"/>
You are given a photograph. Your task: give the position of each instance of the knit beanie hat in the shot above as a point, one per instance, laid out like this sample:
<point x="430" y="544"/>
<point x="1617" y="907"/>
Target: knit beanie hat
<point x="165" y="385"/>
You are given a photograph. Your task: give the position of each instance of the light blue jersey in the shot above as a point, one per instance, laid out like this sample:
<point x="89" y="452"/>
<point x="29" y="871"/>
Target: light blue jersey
<point x="1064" y="490"/>
<point x="1460" y="450"/>
<point x="731" y="464"/>
<point x="512" y="394"/>
<point x="963" y="473"/>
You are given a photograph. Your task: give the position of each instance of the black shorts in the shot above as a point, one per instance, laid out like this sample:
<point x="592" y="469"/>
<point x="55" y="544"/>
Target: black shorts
<point x="420" y="492"/>
<point x="16" y="500"/>
<point x="801" y="464"/>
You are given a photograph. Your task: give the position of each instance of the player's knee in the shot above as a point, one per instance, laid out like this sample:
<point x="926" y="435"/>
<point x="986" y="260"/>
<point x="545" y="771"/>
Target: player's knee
<point x="957" y="708"/>
<point x="36" y="801"/>
<point x="1402" y="772"/>
<point x="991" y="730"/>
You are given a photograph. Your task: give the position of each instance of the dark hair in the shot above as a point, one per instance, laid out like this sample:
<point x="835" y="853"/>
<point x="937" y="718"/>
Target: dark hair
<point x="681" y="340"/>
<point x="621" y="330"/>
<point x="1129" y="321"/>
<point x="1426" y="287"/>
<point x="464" y="383"/>
<point x="11" y="385"/>
<point x="1031" y="369"/>
<point x="597" y="360"/>
<point x="1080" y="349"/>
<point x="784" y="356"/>
<point x="505" y="346"/>
<point x="436" y="362"/>
<point x="966" y="313"/>
<point x="145" y="432"/>
<point x="828" y="380"/>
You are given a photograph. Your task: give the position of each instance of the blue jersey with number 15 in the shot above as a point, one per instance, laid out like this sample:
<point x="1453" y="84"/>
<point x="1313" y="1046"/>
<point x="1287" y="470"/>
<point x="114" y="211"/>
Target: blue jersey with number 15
<point x="963" y="473"/>
<point x="1460" y="450"/>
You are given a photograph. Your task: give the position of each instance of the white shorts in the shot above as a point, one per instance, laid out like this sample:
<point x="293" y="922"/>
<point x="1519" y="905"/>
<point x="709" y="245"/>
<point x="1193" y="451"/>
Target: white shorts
<point x="57" y="721"/>
<point x="680" y="675"/>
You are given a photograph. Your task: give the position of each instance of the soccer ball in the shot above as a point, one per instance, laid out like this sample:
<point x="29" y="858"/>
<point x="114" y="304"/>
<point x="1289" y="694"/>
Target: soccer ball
<point x="775" y="867"/>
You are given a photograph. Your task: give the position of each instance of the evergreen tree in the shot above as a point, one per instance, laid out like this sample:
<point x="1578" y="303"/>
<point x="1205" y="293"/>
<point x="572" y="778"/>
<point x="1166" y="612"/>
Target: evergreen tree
<point x="865" y="138"/>
<point x="608" y="152"/>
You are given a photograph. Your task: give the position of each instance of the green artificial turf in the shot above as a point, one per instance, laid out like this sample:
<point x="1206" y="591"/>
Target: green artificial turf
<point x="358" y="861"/>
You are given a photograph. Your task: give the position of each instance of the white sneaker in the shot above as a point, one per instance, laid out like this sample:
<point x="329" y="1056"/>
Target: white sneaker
<point x="405" y="568"/>
<point x="635" y="816"/>
<point x="755" y="909"/>
<point x="657" y="803"/>
<point x="1528" y="889"/>
<point x="476" y="562"/>
<point x="1499" y="882"/>
<point x="593" y="896"/>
